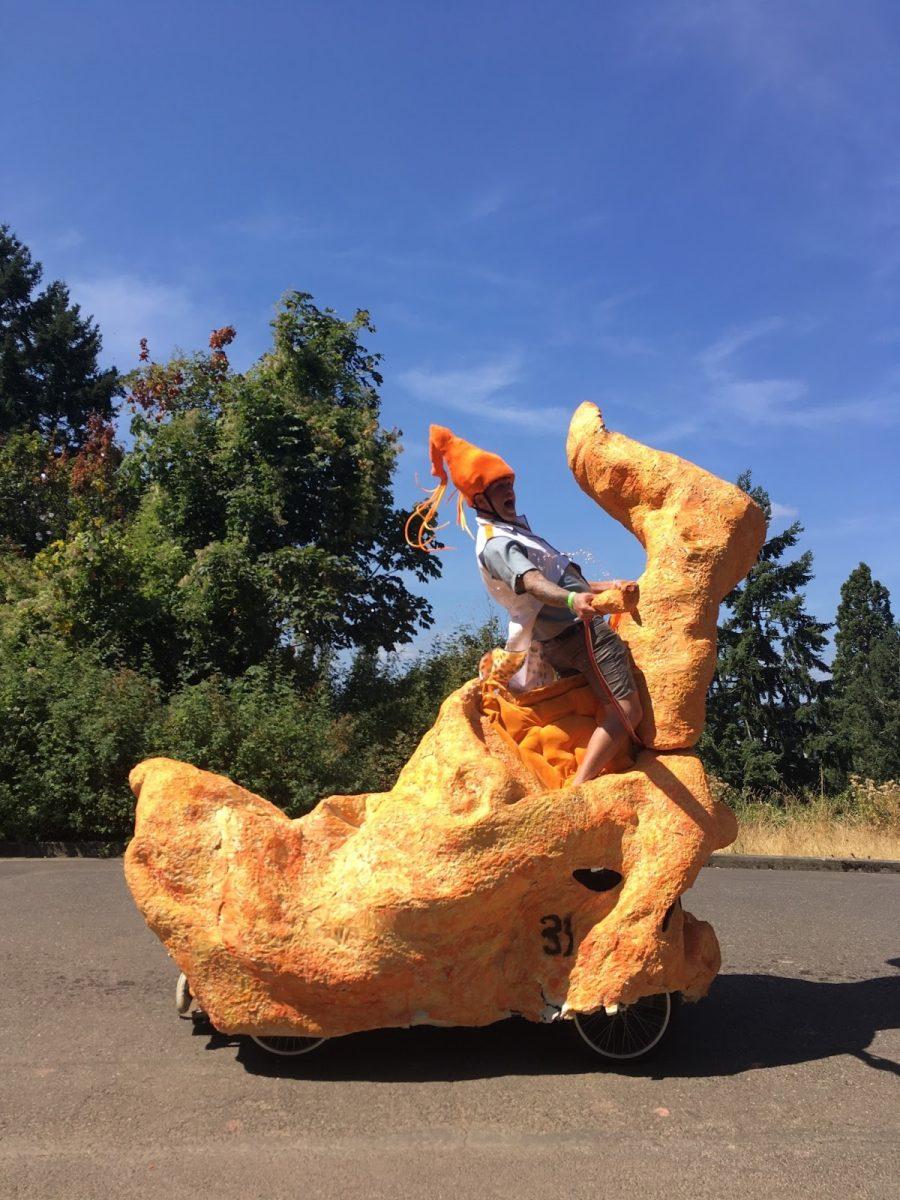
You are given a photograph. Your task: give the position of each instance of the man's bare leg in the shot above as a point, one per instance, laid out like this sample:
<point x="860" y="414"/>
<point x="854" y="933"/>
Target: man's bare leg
<point x="608" y="739"/>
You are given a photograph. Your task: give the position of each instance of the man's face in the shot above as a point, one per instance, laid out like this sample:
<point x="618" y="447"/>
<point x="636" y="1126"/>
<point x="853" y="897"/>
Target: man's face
<point x="502" y="497"/>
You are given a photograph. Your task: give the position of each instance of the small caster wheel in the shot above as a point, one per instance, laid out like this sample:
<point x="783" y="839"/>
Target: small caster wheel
<point x="183" y="997"/>
<point x="287" y="1047"/>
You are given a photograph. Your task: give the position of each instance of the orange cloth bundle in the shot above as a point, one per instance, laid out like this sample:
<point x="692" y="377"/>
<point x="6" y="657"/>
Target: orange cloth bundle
<point x="549" y="727"/>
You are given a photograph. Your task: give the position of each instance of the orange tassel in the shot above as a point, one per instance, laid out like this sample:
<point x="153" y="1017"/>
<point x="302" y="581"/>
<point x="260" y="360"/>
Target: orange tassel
<point x="420" y="529"/>
<point x="461" y="515"/>
<point x="426" y="514"/>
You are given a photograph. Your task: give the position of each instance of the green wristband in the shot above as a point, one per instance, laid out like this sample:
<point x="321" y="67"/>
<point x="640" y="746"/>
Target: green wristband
<point x="570" y="600"/>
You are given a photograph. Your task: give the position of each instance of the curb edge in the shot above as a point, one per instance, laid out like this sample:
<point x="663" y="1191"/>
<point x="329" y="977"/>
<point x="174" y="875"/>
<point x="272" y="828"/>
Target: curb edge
<point x="874" y="866"/>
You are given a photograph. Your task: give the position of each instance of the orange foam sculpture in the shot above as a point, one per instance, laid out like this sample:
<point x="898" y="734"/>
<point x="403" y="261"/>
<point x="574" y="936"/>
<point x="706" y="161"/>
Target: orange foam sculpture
<point x="701" y="535"/>
<point x="481" y="885"/>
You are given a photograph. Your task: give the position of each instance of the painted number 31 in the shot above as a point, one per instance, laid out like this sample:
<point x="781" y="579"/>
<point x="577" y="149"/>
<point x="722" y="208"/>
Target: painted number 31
<point x="557" y="933"/>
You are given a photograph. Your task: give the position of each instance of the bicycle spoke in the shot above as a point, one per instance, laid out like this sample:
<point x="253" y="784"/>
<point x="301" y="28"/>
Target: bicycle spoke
<point x="631" y="1031"/>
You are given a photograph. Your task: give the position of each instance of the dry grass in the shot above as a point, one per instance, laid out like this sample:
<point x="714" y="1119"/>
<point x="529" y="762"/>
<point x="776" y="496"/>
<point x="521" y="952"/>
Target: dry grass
<point x="816" y="839"/>
<point x="863" y="822"/>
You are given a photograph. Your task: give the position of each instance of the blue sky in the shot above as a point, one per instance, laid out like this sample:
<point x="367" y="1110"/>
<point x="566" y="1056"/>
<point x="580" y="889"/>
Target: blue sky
<point x="688" y="212"/>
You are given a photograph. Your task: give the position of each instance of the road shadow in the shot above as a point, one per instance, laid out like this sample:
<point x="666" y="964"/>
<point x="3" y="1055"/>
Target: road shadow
<point x="748" y="1022"/>
<point x="752" y="1022"/>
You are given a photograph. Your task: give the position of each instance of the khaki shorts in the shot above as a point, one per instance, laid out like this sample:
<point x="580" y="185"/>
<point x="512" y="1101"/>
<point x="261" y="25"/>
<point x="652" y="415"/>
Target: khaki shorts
<point x="568" y="654"/>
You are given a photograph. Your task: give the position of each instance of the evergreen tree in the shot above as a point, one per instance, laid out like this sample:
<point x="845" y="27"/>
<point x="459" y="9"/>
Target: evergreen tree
<point x="864" y="708"/>
<point x="49" y="378"/>
<point x="764" y="702"/>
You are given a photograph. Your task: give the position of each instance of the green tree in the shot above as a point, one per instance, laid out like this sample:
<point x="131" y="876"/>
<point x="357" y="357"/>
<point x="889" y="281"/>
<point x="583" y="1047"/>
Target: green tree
<point x="191" y="595"/>
<point x="252" y="520"/>
<point x="764" y="705"/>
<point x="49" y="377"/>
<point x="260" y="730"/>
<point x="72" y="727"/>
<point x="393" y="702"/>
<point x="864" y="707"/>
<point x="35" y="492"/>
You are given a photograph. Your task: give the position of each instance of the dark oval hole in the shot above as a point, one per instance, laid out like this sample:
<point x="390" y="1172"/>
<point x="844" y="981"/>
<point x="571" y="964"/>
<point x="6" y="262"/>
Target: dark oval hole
<point x="597" y="879"/>
<point x="668" y="917"/>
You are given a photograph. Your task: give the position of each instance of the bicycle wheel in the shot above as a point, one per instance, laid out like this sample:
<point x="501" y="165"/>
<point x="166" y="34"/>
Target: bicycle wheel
<point x="288" y="1047"/>
<point x="632" y="1031"/>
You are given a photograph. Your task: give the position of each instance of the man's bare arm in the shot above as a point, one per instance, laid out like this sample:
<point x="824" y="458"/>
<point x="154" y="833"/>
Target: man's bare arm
<point x="542" y="589"/>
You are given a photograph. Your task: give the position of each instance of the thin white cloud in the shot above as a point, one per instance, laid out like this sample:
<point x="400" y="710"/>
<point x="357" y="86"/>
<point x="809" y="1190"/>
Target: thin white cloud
<point x="821" y="66"/>
<point x="603" y="309"/>
<point x="626" y="346"/>
<point x="760" y="400"/>
<point x="606" y="313"/>
<point x="422" y="269"/>
<point x="587" y="321"/>
<point x="784" y="511"/>
<point x="414" y="450"/>
<point x="730" y="403"/>
<point x="477" y="391"/>
<point x="714" y="356"/>
<point x="888" y="337"/>
<point x="66" y="239"/>
<point x="769" y="43"/>
<point x="486" y="203"/>
<point x="860" y="523"/>
<point x="402" y="313"/>
<point x="270" y="224"/>
<point x="128" y="308"/>
<point x="677" y="431"/>
<point x="590" y="221"/>
<point x="780" y="402"/>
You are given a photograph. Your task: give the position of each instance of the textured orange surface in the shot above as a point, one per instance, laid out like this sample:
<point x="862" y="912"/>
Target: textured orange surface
<point x="619" y="599"/>
<point x="450" y="899"/>
<point x="702" y="535"/>
<point x="468" y="892"/>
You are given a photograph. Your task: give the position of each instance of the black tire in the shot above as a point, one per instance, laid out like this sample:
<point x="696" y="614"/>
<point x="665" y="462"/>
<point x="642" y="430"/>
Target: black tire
<point x="632" y="1033"/>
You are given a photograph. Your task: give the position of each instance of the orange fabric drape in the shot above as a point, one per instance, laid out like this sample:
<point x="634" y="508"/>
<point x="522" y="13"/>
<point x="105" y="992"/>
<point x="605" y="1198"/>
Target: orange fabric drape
<point x="549" y="728"/>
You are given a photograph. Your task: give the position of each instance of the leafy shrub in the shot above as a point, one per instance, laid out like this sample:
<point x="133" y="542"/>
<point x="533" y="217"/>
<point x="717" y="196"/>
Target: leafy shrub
<point x="394" y="701"/>
<point x="285" y="745"/>
<point x="71" y="728"/>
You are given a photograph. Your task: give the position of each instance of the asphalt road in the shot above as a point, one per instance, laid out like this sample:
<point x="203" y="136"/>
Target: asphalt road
<point x="784" y="1082"/>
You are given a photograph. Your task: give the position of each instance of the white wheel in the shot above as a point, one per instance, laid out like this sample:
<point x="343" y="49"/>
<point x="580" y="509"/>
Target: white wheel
<point x="632" y="1031"/>
<point x="288" y="1047"/>
<point x="183" y="996"/>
